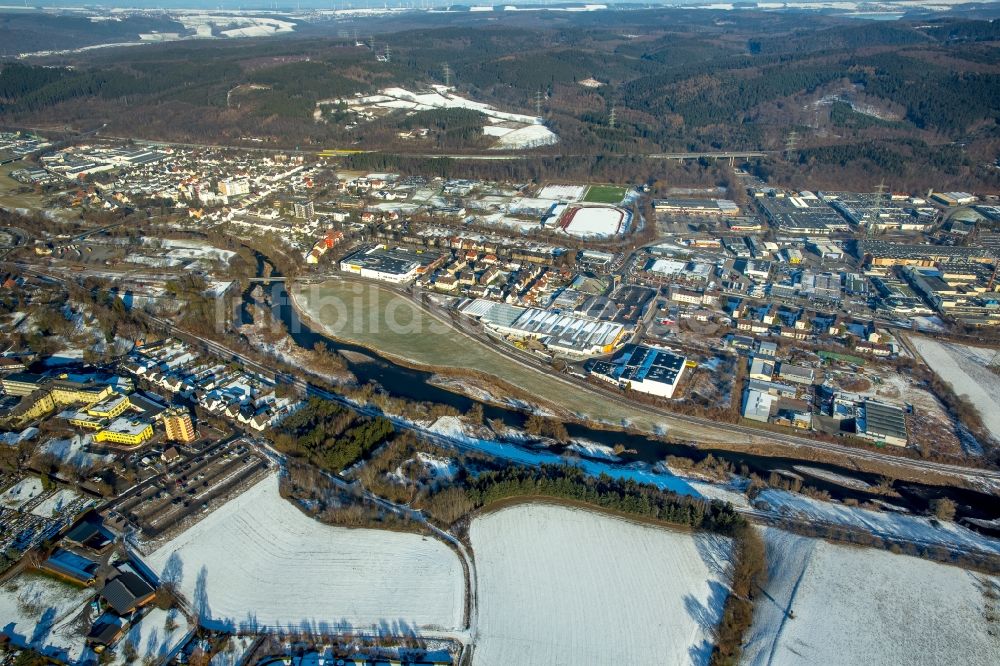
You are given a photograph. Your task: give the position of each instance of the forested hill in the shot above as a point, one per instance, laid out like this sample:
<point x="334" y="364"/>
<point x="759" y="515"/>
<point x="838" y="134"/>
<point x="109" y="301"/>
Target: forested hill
<point x="832" y="95"/>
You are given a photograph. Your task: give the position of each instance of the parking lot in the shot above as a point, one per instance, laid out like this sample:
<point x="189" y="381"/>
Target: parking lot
<point x="189" y="486"/>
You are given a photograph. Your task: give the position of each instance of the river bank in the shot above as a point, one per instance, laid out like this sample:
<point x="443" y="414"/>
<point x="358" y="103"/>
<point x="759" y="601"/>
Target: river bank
<point x="639" y="450"/>
<point x="397" y="329"/>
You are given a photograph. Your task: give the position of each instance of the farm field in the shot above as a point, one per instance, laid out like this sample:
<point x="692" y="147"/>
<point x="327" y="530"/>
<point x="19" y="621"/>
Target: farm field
<point x="966" y="369"/>
<point x="365" y="316"/>
<point x="557" y="585"/>
<point x="907" y="611"/>
<point x="259" y="562"/>
<point x="608" y="194"/>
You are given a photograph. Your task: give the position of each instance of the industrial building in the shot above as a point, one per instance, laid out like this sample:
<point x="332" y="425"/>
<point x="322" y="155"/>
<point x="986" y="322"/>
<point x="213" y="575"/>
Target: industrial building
<point x="875" y="211"/>
<point x="954" y="198"/>
<point x="757" y="405"/>
<point x="696" y="206"/>
<point x="762" y="369"/>
<point x="641" y="368"/>
<point x="796" y="374"/>
<point x="491" y="313"/>
<point x="884" y="253"/>
<point x="881" y="423"/>
<point x="397" y="265"/>
<point x="595" y="260"/>
<point x="804" y="214"/>
<point x="566" y="333"/>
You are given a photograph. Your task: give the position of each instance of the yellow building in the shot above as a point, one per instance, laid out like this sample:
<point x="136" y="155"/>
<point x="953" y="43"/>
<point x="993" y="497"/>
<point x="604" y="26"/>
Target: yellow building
<point x="65" y="392"/>
<point x="125" y="431"/>
<point x="96" y="415"/>
<point x="30" y="407"/>
<point x="83" y="420"/>
<point x="41" y="395"/>
<point x="110" y="407"/>
<point x="21" y="383"/>
<point x="180" y="427"/>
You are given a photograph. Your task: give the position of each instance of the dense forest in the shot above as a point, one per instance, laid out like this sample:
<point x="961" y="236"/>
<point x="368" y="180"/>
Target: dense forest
<point x="677" y="80"/>
<point x="570" y="483"/>
<point x="329" y="436"/>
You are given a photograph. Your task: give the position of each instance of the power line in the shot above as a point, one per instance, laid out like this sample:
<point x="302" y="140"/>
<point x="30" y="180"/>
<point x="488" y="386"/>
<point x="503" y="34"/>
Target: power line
<point x="879" y="203"/>
<point x="791" y="142"/>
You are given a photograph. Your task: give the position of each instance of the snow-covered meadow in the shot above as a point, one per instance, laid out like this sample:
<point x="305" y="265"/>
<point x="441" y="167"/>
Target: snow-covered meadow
<point x="512" y="130"/>
<point x="916" y="529"/>
<point x="74" y="451"/>
<point x="559" y="585"/>
<point x="259" y="562"/>
<point x="832" y="604"/>
<point x="967" y="371"/>
<point x="41" y="612"/>
<point x="57" y="503"/>
<point x="155" y="637"/>
<point x="21" y="492"/>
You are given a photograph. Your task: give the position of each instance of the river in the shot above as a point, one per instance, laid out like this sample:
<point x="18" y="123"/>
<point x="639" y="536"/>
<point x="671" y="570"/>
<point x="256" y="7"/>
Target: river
<point x="416" y="385"/>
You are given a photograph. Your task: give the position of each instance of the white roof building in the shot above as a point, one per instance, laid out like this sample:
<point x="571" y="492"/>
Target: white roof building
<point x="757" y="405"/>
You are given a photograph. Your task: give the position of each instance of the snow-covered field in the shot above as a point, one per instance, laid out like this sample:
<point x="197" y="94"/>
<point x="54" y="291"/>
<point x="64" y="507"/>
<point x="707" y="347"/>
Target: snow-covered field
<point x="567" y="586"/>
<point x="529" y="136"/>
<point x="21" y="492"/>
<point x="563" y="192"/>
<point x="156" y="636"/>
<point x="259" y="562"/>
<point x="594" y="220"/>
<point x="517" y="129"/>
<point x="73" y="451"/>
<point x="864" y="606"/>
<point x="206" y="25"/>
<point x="882" y="523"/>
<point x="54" y="505"/>
<point x="966" y="369"/>
<point x="40" y="612"/>
<point x="193" y="249"/>
<point x="234" y="652"/>
<point x="499" y="219"/>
